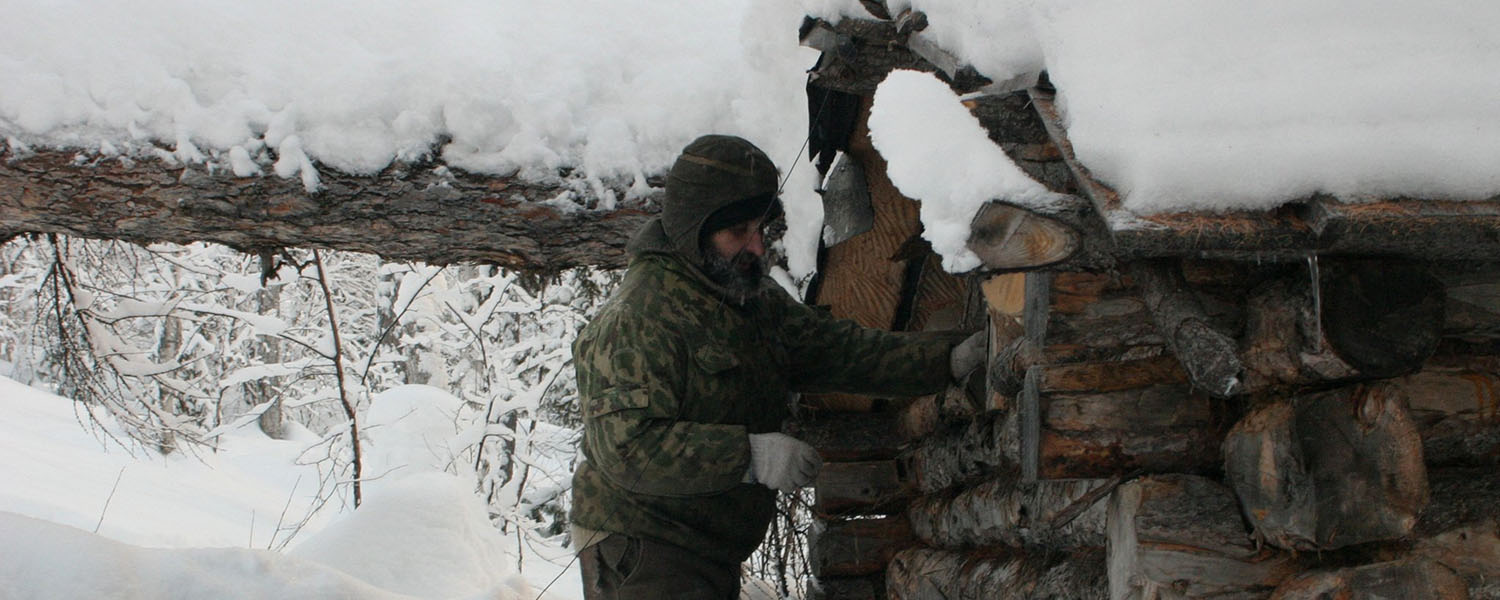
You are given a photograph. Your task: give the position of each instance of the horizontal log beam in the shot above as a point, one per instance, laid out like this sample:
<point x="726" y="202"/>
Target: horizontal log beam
<point x="870" y="487"/>
<point x="1003" y="512"/>
<point x="928" y="574"/>
<point x="858" y="546"/>
<point x="422" y="213"/>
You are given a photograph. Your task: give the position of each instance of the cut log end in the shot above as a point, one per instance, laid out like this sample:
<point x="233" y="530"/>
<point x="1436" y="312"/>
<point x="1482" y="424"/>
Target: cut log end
<point x="1005" y="236"/>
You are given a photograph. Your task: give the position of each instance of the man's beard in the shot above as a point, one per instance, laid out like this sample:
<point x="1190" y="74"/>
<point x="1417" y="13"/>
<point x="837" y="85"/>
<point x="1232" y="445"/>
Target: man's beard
<point x="739" y="275"/>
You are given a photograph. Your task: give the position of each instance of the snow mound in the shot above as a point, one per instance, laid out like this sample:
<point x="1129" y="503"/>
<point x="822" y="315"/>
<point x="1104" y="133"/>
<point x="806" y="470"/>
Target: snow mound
<point x="425" y="535"/>
<point x="44" y="561"/>
<point x="410" y="429"/>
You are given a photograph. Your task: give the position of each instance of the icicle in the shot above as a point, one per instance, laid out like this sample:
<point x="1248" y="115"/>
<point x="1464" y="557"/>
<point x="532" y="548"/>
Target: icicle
<point x="1317" y="295"/>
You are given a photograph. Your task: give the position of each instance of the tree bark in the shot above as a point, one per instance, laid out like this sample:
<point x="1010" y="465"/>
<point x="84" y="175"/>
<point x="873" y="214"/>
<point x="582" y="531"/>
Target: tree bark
<point x="1180" y="536"/>
<point x="1328" y="470"/>
<point x="435" y="215"/>
<point x="1208" y="354"/>
<point x="1005" y="512"/>
<point x="927" y="574"/>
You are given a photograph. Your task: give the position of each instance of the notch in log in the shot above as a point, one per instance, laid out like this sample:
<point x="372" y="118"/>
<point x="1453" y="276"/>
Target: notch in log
<point x="1328" y="470"/>
<point x="869" y="487"/>
<point x="1209" y="356"/>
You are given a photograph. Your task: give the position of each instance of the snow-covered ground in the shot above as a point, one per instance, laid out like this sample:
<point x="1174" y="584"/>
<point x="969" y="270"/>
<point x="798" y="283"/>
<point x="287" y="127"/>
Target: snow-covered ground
<point x="82" y="517"/>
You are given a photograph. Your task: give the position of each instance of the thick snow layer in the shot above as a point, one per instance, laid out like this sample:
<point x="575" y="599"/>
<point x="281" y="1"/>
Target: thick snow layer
<point x="40" y="560"/>
<point x="425" y="535"/>
<point x="940" y="155"/>
<point x="196" y="527"/>
<point x="286" y="87"/>
<point x="1243" y="104"/>
<point x="1225" y="105"/>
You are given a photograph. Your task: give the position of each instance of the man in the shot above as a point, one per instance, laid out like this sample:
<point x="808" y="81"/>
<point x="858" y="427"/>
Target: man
<point x="684" y="379"/>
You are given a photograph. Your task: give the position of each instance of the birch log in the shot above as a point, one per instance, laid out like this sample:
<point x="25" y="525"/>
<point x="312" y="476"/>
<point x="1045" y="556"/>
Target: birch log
<point x="1005" y="512"/>
<point x="927" y="574"/>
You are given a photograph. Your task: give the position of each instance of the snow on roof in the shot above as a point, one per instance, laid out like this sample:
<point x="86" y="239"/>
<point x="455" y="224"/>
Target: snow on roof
<point x="938" y="153"/>
<point x="1211" y="106"/>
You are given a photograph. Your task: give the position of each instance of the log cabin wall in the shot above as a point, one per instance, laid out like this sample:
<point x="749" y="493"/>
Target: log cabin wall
<point x="1207" y="408"/>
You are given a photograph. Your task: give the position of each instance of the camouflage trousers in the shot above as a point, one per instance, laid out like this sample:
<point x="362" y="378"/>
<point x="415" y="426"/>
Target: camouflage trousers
<point x="627" y="568"/>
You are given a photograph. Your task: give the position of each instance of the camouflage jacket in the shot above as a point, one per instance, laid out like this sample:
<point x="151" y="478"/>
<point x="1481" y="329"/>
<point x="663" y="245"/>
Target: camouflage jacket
<point x="672" y="377"/>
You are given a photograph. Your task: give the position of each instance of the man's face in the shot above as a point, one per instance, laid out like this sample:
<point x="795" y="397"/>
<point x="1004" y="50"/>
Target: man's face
<point x="734" y="257"/>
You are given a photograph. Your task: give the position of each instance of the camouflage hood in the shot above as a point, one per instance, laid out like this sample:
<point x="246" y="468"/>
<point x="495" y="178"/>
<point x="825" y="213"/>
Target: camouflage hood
<point x="712" y="173"/>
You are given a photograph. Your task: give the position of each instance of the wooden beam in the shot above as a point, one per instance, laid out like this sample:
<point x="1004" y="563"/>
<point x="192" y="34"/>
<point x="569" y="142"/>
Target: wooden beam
<point x="1005" y="512"/>
<point x="850" y="488"/>
<point x="928" y="574"/>
<point x="429" y="213"/>
<point x="1362" y="320"/>
<point x="1456" y="409"/>
<point x="1431" y="229"/>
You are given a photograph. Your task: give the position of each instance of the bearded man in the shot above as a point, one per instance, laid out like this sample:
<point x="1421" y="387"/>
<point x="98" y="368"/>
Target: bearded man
<point x="685" y="377"/>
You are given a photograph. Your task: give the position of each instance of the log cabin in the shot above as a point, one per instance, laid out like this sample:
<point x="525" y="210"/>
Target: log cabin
<point x="1290" y="403"/>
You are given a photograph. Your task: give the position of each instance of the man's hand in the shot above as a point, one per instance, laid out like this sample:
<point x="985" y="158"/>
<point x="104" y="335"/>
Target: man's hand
<point x="781" y="462"/>
<point x="967" y="356"/>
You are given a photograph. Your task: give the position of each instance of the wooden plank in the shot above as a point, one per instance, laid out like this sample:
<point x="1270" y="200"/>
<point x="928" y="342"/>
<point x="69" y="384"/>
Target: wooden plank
<point x="1328" y="470"/>
<point x="858" y="546"/>
<point x="928" y="574"/>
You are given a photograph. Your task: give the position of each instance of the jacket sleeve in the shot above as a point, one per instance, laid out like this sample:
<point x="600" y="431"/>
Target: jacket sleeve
<point x="630" y="392"/>
<point x="828" y="354"/>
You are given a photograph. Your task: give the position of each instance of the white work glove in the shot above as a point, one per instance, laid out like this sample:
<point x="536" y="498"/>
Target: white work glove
<point x="781" y="462"/>
<point x="967" y="356"/>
